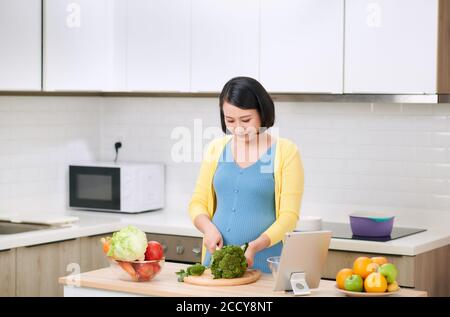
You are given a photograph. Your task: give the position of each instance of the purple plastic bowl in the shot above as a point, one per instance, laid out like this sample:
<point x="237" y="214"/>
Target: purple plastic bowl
<point x="371" y="226"/>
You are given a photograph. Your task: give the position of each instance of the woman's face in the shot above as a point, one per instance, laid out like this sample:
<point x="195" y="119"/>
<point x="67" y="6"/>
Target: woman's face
<point x="243" y="123"/>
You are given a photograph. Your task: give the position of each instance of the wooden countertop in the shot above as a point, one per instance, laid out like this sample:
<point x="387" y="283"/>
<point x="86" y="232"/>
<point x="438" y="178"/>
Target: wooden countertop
<point x="166" y="285"/>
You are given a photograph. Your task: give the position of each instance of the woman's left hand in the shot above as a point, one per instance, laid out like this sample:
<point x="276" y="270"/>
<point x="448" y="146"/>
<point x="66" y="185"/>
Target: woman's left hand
<point x="250" y="255"/>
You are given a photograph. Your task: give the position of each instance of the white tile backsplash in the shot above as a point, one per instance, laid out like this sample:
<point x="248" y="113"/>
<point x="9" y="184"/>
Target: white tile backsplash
<point x="39" y="136"/>
<point x="373" y="156"/>
<point x="393" y="156"/>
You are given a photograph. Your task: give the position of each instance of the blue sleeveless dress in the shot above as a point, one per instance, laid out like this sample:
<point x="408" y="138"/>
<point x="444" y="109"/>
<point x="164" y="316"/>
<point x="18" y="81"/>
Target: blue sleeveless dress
<point x="245" y="203"/>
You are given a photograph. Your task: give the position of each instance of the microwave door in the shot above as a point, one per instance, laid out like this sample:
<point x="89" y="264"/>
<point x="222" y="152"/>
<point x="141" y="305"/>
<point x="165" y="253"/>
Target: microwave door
<point x="96" y="188"/>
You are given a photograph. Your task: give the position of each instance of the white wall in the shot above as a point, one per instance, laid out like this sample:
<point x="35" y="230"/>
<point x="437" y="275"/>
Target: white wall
<point x="357" y="156"/>
<point x="38" y="137"/>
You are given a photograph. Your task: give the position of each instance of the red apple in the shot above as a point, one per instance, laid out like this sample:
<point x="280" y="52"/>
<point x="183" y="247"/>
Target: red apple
<point x="154" y="251"/>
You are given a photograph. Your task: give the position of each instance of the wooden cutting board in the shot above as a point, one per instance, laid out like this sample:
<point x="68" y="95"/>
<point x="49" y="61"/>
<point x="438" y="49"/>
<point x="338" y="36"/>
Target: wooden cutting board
<point x="206" y="279"/>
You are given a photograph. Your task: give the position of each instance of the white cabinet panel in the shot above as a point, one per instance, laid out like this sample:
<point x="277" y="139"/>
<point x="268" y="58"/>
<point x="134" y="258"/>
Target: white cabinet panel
<point x="20" y="45"/>
<point x="390" y="46"/>
<point x="302" y="45"/>
<point x="158" y="45"/>
<point x="225" y="38"/>
<point x="77" y="39"/>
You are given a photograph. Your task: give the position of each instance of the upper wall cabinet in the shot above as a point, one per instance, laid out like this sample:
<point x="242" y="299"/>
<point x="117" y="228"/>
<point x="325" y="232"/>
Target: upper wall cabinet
<point x="158" y="45"/>
<point x="302" y="45"/>
<point x="391" y="46"/>
<point x="20" y="45"/>
<point x="225" y="39"/>
<point x="78" y="42"/>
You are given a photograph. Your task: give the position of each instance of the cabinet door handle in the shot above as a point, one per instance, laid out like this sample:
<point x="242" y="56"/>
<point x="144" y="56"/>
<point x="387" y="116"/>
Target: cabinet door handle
<point x="180" y="249"/>
<point x="196" y="251"/>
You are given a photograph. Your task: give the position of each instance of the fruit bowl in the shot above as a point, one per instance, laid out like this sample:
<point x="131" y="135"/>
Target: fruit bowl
<point x="365" y="294"/>
<point x="137" y="271"/>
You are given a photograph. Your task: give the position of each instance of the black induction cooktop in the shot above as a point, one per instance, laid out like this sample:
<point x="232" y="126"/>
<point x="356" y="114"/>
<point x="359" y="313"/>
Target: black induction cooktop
<point x="343" y="231"/>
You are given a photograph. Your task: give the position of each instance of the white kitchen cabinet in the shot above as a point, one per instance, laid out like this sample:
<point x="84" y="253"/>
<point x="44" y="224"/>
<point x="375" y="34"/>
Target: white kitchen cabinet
<point x="78" y="37"/>
<point x="20" y="45"/>
<point x="225" y="42"/>
<point x="158" y="45"/>
<point x="302" y="45"/>
<point x="390" y="46"/>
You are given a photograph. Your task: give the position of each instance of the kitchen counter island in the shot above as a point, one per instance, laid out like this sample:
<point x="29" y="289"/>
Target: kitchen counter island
<point x="104" y="282"/>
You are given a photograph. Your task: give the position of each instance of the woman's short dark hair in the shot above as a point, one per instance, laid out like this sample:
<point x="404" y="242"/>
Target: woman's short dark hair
<point x="248" y="93"/>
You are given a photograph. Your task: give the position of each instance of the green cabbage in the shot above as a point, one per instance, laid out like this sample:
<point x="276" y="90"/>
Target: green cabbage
<point x="128" y="244"/>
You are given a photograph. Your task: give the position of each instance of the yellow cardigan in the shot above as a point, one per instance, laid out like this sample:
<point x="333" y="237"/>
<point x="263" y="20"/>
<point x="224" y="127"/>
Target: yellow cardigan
<point x="289" y="179"/>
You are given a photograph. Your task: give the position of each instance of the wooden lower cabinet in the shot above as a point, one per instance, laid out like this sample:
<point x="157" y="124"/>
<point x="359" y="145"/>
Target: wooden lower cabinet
<point x="35" y="270"/>
<point x="426" y="272"/>
<point x="7" y="273"/>
<point x="432" y="272"/>
<point x="92" y="256"/>
<point x="38" y="267"/>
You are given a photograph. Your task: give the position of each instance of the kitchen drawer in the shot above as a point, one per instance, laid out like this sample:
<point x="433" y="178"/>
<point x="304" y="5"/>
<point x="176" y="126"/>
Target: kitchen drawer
<point x="179" y="248"/>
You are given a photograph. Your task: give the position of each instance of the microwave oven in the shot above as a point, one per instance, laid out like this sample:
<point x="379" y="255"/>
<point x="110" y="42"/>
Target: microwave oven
<point x="122" y="187"/>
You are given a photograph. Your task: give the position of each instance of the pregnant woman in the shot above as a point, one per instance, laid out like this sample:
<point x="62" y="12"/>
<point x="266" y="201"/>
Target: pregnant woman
<point x="250" y="184"/>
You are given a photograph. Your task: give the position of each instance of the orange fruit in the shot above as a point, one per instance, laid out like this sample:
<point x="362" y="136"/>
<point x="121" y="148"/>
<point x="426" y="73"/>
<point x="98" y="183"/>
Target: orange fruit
<point x="380" y="260"/>
<point x="360" y="266"/>
<point x="375" y="283"/>
<point x="341" y="276"/>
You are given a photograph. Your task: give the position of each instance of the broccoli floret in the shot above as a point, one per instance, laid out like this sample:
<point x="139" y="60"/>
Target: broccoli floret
<point x="229" y="262"/>
<point x="196" y="269"/>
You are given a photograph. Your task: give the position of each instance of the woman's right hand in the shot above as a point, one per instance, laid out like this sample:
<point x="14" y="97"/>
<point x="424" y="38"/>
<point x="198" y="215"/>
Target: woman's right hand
<point x="212" y="239"/>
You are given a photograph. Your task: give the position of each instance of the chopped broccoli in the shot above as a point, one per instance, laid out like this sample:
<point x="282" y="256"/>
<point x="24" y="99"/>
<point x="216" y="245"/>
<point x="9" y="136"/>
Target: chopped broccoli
<point x="195" y="270"/>
<point x="229" y="262"/>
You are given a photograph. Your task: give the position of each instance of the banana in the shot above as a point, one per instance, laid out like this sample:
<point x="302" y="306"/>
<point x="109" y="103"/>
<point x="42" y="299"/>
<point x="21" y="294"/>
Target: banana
<point x="393" y="287"/>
